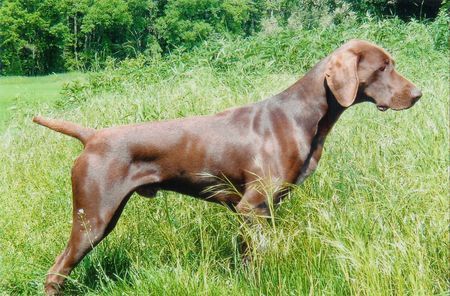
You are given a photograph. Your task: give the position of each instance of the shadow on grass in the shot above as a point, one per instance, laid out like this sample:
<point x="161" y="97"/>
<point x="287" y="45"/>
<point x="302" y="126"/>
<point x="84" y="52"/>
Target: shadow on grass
<point x="98" y="270"/>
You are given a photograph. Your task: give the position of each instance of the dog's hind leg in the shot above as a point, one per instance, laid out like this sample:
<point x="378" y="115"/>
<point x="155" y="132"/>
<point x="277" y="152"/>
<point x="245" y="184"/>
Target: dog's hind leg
<point x="97" y="205"/>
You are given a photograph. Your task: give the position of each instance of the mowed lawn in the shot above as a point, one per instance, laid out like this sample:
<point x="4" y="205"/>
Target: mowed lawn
<point x="21" y="90"/>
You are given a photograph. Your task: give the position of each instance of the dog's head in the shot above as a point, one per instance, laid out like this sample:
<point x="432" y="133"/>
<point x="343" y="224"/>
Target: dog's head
<point x="361" y="70"/>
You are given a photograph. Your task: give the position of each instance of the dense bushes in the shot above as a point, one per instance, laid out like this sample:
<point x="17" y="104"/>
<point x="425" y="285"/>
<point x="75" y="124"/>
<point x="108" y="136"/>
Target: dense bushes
<point x="186" y="22"/>
<point x="56" y="35"/>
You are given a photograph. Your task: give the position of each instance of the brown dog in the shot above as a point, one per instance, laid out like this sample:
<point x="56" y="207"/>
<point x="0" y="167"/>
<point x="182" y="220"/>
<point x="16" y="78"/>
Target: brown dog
<point x="280" y="139"/>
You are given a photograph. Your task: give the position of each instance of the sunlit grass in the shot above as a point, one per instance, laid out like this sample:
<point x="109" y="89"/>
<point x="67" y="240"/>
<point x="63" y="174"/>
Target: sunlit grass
<point x="16" y="91"/>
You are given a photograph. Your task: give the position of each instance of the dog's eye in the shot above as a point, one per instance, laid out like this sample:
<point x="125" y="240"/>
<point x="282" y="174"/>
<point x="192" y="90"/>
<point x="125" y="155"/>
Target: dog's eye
<point x="382" y="68"/>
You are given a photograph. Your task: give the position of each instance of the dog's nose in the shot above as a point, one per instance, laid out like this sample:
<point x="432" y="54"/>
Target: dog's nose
<point x="416" y="94"/>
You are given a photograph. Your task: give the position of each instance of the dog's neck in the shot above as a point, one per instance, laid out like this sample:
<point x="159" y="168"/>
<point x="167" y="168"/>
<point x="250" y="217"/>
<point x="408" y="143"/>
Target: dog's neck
<point x="310" y="98"/>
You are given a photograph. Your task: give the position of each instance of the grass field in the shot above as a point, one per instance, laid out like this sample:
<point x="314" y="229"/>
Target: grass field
<point x="16" y="91"/>
<point x="372" y="220"/>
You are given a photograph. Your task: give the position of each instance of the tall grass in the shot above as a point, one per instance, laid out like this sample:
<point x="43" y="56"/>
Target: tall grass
<point x="371" y="221"/>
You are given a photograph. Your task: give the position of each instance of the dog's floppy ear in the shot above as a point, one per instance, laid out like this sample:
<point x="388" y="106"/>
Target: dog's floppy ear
<point x="342" y="76"/>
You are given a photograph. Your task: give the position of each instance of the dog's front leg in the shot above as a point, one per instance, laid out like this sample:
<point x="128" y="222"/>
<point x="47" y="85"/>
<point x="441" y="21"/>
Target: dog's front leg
<point x="255" y="212"/>
<point x="253" y="241"/>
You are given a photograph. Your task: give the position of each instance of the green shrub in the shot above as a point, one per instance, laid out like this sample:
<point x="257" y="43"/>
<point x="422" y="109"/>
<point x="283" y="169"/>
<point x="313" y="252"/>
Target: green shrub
<point x="56" y="35"/>
<point x="440" y="29"/>
<point x="186" y="23"/>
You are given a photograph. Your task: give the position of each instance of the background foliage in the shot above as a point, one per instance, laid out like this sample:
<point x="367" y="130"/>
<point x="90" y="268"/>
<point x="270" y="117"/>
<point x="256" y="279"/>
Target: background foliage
<point x="44" y="36"/>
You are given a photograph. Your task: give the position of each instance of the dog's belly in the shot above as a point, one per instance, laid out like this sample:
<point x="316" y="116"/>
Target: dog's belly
<point x="209" y="189"/>
<point x="211" y="183"/>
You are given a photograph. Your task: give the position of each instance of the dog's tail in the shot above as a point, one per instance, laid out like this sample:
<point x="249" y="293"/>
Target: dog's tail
<point x="67" y="128"/>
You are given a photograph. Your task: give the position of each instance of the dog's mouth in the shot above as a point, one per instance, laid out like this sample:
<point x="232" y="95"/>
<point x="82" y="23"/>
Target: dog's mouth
<point x="382" y="108"/>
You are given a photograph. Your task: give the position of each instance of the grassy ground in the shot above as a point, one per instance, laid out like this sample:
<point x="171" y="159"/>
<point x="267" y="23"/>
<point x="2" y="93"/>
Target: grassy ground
<point x="371" y="221"/>
<point x="16" y="91"/>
